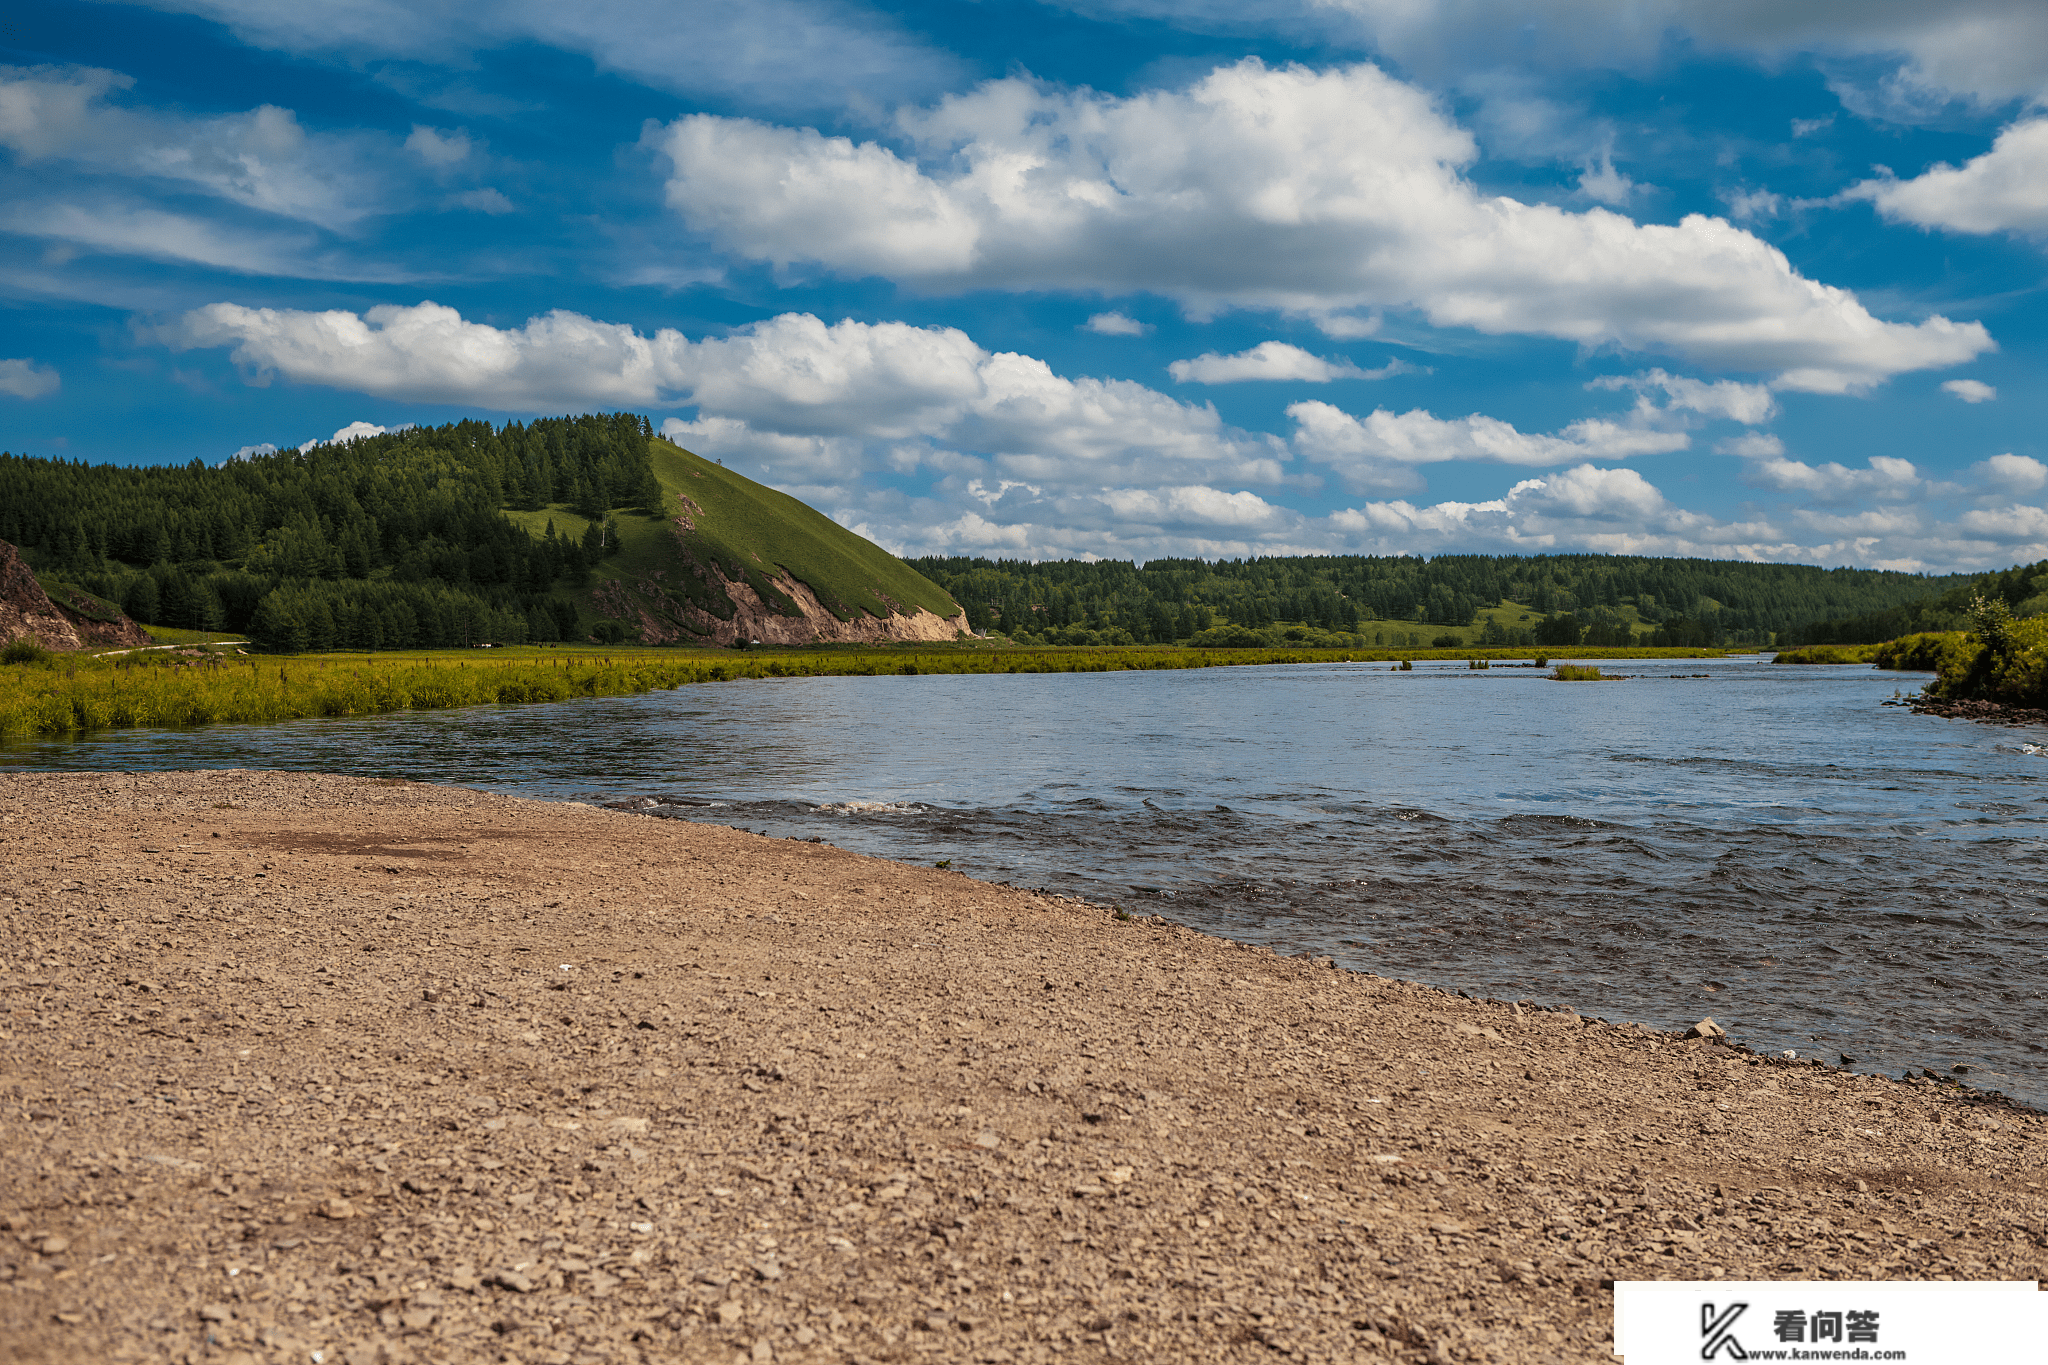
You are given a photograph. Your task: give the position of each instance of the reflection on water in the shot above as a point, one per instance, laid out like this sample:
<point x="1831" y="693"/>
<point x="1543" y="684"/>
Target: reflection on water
<point x="1767" y="845"/>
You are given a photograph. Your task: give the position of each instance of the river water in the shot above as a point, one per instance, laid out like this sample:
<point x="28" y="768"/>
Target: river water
<point x="1768" y="845"/>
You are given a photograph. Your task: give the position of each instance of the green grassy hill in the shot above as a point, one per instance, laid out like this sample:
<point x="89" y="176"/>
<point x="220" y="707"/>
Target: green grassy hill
<point x="675" y="579"/>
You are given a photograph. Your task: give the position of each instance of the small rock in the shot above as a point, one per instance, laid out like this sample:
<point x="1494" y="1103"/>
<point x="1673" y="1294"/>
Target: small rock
<point x="463" y="1277"/>
<point x="1706" y="1028"/>
<point x="730" y="1312"/>
<point x="623" y="1124"/>
<point x="512" y="1280"/>
<point x="1120" y="1176"/>
<point x="337" y="1208"/>
<point x="763" y="1352"/>
<point x="214" y="1312"/>
<point x="69" y="1319"/>
<point x="986" y="1138"/>
<point x="417" y="1319"/>
<point x="54" y="1246"/>
<point x="767" y="1269"/>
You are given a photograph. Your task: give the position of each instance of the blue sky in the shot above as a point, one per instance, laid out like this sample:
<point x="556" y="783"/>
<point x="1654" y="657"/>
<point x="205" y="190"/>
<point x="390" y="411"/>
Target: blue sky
<point x="1119" y="278"/>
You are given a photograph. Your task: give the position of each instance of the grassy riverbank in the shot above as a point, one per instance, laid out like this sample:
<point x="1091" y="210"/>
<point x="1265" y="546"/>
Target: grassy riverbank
<point x="68" y="694"/>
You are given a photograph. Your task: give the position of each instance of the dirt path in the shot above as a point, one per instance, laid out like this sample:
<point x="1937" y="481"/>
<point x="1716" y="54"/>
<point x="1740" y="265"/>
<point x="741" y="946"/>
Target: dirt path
<point x="295" y="1064"/>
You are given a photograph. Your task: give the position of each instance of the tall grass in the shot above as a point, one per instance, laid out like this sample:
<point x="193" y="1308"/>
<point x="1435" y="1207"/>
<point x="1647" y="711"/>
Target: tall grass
<point x="1577" y="673"/>
<point x="66" y="694"/>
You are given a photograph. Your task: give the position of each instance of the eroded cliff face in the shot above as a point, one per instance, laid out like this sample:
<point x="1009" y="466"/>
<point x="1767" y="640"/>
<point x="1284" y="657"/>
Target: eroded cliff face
<point x="27" y="611"/>
<point x="666" y="617"/>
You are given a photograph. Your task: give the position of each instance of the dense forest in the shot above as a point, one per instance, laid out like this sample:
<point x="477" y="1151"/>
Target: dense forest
<point x="1568" y="599"/>
<point x="2023" y="590"/>
<point x="379" y="543"/>
<point x="410" y="539"/>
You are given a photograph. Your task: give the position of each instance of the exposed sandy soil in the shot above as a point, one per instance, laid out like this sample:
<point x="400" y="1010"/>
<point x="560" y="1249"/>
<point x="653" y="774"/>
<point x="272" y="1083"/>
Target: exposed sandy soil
<point x="26" y="611"/>
<point x="388" y="1072"/>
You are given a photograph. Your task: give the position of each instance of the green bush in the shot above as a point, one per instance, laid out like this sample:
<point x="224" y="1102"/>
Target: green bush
<point x="26" y="650"/>
<point x="1577" y="673"/>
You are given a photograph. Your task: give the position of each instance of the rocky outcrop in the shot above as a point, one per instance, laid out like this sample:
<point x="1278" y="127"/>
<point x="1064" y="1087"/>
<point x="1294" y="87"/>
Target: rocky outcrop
<point x="1983" y="712"/>
<point x="27" y="611"/>
<point x="664" y="617"/>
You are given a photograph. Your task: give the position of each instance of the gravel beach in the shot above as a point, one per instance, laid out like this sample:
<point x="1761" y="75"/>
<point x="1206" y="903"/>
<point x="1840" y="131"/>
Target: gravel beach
<point x="305" y="1068"/>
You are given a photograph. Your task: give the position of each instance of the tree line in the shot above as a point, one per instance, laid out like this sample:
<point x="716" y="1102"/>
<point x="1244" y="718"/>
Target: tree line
<point x="1571" y="599"/>
<point x="2023" y="589"/>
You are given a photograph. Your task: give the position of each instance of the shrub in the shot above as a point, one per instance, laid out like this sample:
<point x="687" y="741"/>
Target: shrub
<point x="26" y="650"/>
<point x="1577" y="673"/>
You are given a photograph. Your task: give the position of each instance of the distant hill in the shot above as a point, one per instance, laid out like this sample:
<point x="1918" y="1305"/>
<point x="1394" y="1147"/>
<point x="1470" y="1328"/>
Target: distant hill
<point x="561" y="529"/>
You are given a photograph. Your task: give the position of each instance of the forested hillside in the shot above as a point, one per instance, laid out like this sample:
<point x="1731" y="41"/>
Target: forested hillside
<point x="1478" y="599"/>
<point x="2023" y="589"/>
<point x="443" y="536"/>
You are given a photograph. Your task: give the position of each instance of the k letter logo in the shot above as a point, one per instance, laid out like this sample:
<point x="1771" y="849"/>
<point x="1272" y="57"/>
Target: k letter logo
<point x="1716" y="1331"/>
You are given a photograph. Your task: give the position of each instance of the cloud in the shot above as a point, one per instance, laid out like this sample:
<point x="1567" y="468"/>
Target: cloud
<point x="120" y="227"/>
<point x="2004" y="190"/>
<point x="2012" y="474"/>
<point x="261" y="159"/>
<point x="427" y="353"/>
<point x="1749" y="404"/>
<point x="1600" y="182"/>
<point x="26" y="379"/>
<point x="482" y="201"/>
<point x="2018" y="525"/>
<point x="1275" y="360"/>
<point x="1382" y="449"/>
<point x="437" y="149"/>
<point x="1886" y="477"/>
<point x="785" y="54"/>
<point x="355" y="431"/>
<point x="1320" y="193"/>
<point x="251" y="452"/>
<point x="1116" y="325"/>
<point x="1751" y="444"/>
<point x="1970" y="390"/>
<point x="1747" y="205"/>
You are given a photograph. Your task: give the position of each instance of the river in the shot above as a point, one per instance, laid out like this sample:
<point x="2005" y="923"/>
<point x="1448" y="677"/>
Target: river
<point x="1768" y="845"/>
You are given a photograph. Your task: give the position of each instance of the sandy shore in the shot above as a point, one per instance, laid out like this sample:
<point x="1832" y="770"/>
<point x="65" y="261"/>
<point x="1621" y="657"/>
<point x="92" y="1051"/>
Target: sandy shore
<point x="400" y="1073"/>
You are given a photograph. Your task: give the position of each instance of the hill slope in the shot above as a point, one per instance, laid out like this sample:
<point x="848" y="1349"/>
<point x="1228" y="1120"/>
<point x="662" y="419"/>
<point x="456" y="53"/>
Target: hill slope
<point x="731" y="559"/>
<point x="453" y="535"/>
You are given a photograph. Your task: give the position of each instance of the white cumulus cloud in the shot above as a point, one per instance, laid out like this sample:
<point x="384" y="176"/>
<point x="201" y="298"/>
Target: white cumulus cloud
<point x="1970" y="390"/>
<point x="2014" y="474"/>
<point x="1382" y="449"/>
<point x="2004" y="190"/>
<point x="1276" y="360"/>
<point x="1322" y="193"/>
<point x="26" y="379"/>
<point x="1885" y="477"/>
